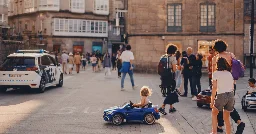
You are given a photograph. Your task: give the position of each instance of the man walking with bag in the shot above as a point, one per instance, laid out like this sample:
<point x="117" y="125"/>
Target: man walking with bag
<point x="77" y="60"/>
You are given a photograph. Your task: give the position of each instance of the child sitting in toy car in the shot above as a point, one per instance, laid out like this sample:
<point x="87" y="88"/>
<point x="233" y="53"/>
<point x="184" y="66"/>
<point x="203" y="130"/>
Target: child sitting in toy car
<point x="144" y="93"/>
<point x="252" y="87"/>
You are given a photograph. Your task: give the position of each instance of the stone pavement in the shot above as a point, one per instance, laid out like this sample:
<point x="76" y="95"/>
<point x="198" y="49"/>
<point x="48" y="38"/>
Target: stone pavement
<point x="77" y="108"/>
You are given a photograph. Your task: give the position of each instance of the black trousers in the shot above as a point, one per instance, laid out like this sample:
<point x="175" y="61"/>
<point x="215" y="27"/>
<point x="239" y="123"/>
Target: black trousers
<point x="210" y="83"/>
<point x="197" y="82"/>
<point x="192" y="84"/>
<point x="234" y="115"/>
<point x="114" y="65"/>
<point x="119" y="73"/>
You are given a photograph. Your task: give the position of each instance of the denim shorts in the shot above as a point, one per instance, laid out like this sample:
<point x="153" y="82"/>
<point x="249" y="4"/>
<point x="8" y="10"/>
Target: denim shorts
<point x="94" y="64"/>
<point x="225" y="101"/>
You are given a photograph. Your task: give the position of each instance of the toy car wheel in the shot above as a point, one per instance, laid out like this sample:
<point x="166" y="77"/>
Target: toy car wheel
<point x="149" y="119"/>
<point x="117" y="119"/>
<point x="244" y="107"/>
<point x="199" y="104"/>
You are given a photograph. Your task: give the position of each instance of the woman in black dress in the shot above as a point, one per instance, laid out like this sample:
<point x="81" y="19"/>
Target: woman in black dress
<point x="169" y="81"/>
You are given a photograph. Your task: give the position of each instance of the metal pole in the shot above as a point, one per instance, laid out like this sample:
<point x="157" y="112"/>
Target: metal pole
<point x="252" y="38"/>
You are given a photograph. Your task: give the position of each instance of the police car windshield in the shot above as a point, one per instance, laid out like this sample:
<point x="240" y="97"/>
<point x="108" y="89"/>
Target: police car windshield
<point x="18" y="62"/>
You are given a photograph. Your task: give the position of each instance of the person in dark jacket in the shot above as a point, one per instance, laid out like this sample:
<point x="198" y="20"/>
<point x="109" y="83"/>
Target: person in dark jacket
<point x="113" y="60"/>
<point x="188" y="73"/>
<point x="118" y="63"/>
<point x="107" y="64"/>
<point x="197" y="68"/>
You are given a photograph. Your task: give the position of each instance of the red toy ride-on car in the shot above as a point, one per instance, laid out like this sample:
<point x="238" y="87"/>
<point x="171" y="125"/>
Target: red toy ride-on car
<point x="204" y="98"/>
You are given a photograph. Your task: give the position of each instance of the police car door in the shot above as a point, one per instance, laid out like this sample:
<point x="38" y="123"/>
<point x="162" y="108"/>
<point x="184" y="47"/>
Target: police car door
<point x="47" y="68"/>
<point x="56" y="71"/>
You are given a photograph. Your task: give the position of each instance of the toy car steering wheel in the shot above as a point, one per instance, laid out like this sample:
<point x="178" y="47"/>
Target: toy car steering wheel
<point x="131" y="103"/>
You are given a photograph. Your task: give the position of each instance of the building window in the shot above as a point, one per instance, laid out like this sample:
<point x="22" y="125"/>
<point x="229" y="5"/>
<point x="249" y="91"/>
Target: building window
<point x="3" y="2"/>
<point x="101" y="7"/>
<point x="77" y="6"/>
<point x="120" y="14"/>
<point x="174" y="18"/>
<point x="29" y="6"/>
<point x="77" y="27"/>
<point x="114" y="30"/>
<point x="2" y="18"/>
<point x="207" y="21"/>
<point x="53" y="5"/>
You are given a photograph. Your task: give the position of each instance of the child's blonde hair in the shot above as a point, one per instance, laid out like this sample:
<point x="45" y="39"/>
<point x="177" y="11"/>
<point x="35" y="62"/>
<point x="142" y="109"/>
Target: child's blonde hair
<point x="145" y="91"/>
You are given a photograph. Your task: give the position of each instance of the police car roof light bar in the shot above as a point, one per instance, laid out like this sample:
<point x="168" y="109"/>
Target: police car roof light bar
<point x="32" y="51"/>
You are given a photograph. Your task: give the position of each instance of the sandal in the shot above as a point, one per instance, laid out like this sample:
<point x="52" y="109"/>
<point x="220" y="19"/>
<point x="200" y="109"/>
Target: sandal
<point x="162" y="111"/>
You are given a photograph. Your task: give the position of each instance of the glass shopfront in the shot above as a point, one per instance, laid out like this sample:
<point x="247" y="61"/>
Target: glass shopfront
<point x="78" y="46"/>
<point x="203" y="48"/>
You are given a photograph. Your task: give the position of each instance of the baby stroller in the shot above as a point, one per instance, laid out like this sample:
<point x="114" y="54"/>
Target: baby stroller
<point x="168" y="85"/>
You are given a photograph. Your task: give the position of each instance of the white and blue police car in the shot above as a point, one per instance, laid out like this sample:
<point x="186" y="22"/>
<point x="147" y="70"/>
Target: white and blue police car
<point x="30" y="69"/>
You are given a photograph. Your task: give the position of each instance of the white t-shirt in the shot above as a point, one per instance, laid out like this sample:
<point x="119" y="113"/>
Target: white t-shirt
<point x="225" y="82"/>
<point x="64" y="57"/>
<point x="127" y="56"/>
<point x="251" y="89"/>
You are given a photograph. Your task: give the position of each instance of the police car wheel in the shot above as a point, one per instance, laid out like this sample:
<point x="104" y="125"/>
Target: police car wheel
<point x="41" y="88"/>
<point x="60" y="81"/>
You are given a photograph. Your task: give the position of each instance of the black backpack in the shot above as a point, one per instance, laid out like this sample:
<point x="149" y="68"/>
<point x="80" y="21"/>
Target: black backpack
<point x="163" y="66"/>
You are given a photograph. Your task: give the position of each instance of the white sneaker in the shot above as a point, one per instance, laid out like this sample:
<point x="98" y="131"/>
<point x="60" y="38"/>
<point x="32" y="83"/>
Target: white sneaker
<point x="194" y="98"/>
<point x="122" y="89"/>
<point x="134" y="87"/>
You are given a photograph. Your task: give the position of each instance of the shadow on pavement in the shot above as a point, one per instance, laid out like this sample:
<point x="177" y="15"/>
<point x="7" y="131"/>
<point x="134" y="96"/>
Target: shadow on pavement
<point x="26" y="95"/>
<point x="157" y="127"/>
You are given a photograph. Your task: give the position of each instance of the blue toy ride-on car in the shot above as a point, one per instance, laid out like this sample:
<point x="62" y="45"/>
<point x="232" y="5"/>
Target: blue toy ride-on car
<point x="127" y="113"/>
<point x="249" y="101"/>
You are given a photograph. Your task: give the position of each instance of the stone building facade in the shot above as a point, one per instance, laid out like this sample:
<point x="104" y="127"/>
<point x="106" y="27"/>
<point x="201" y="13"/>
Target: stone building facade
<point x="3" y="12"/>
<point x="153" y="24"/>
<point x="71" y="25"/>
<point x="247" y="25"/>
<point x="117" y="29"/>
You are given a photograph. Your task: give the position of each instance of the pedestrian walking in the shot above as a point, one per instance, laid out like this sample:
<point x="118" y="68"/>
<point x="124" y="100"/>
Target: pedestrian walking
<point x="221" y="48"/>
<point x="118" y="63"/>
<point x="107" y="64"/>
<point x="198" y="72"/>
<point x="113" y="60"/>
<point x="77" y="60"/>
<point x="94" y="62"/>
<point x="70" y="62"/>
<point x="83" y="62"/>
<point x="64" y="60"/>
<point x="188" y="74"/>
<point x="127" y="58"/>
<point x="222" y="85"/>
<point x="168" y="80"/>
<point x="99" y="63"/>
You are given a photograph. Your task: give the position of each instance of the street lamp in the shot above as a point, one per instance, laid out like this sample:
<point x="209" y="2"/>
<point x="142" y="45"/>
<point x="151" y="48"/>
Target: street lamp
<point x="251" y="37"/>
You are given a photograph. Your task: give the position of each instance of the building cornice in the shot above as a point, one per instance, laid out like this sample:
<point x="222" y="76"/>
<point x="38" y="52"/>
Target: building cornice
<point x="61" y="11"/>
<point x="188" y="34"/>
<point x="54" y="36"/>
